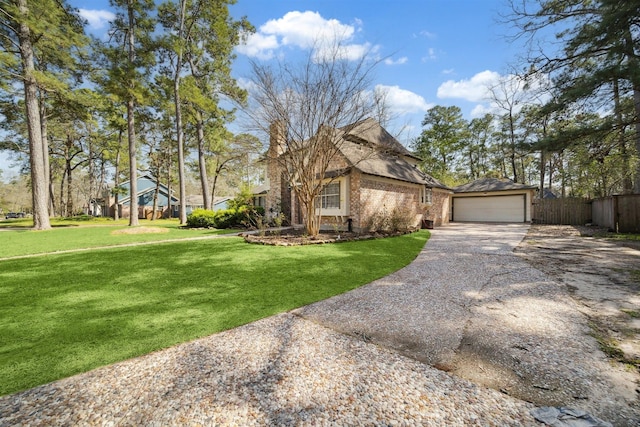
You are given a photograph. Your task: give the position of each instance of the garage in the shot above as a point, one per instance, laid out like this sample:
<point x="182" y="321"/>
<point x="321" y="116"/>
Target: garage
<point x="490" y="208"/>
<point x="492" y="200"/>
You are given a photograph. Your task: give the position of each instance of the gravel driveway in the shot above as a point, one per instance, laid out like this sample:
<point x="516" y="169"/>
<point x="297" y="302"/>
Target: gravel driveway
<point x="465" y="335"/>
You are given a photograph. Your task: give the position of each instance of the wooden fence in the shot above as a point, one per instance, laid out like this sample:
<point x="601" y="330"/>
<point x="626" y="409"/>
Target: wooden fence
<point x="567" y="211"/>
<point x="618" y="213"/>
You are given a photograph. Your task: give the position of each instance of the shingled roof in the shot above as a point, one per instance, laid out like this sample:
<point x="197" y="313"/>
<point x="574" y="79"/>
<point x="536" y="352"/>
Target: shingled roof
<point x="485" y="185"/>
<point x="372" y="150"/>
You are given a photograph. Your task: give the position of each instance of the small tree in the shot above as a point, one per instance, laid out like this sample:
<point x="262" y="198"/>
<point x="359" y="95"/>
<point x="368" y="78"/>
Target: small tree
<point x="310" y="104"/>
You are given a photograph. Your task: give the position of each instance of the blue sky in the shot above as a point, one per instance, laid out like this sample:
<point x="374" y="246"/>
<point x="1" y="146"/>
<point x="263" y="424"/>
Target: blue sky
<point x="438" y="52"/>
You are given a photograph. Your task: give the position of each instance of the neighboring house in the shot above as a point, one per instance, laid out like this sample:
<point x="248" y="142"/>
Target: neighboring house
<point x="547" y="193"/>
<point x="492" y="200"/>
<point x="197" y="202"/>
<point x="260" y="195"/>
<point x="167" y="206"/>
<point x="372" y="174"/>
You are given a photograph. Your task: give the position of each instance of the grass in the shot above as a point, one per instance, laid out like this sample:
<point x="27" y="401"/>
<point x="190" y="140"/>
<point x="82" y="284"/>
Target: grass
<point x="63" y="314"/>
<point x="69" y="235"/>
<point x="631" y="313"/>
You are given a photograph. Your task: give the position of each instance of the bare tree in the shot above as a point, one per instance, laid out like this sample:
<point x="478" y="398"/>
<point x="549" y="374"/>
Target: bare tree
<point x="309" y="105"/>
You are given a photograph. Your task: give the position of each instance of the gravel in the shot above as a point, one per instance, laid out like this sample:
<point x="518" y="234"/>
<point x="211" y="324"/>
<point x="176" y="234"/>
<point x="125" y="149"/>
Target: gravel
<point x="367" y="357"/>
<point x="283" y="370"/>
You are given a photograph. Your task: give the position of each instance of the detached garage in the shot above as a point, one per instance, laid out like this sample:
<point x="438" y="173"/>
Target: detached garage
<point x="492" y="200"/>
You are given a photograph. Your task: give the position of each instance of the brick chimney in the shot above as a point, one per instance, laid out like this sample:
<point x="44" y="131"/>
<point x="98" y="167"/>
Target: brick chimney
<point x="277" y="146"/>
<point x="277" y="139"/>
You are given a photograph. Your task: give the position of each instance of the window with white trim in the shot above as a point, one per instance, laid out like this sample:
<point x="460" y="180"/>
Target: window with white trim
<point x="330" y="196"/>
<point x="426" y="195"/>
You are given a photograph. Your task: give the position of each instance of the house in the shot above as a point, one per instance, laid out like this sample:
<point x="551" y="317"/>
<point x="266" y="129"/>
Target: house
<point x="371" y="174"/>
<point x="197" y="202"/>
<point x="167" y="206"/>
<point x="492" y="200"/>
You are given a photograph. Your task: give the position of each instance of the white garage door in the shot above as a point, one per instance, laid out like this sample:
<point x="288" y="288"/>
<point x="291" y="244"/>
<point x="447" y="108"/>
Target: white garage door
<point x="490" y="208"/>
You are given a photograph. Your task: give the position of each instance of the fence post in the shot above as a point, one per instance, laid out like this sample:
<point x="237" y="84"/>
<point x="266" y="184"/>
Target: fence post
<point x="616" y="214"/>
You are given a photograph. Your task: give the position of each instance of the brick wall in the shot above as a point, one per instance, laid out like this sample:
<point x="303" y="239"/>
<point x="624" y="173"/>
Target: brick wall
<point x="439" y="210"/>
<point x="378" y="195"/>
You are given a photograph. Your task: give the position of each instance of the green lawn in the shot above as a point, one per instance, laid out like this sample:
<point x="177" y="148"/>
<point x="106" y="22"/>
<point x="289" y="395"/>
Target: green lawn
<point x="67" y="235"/>
<point x="63" y="314"/>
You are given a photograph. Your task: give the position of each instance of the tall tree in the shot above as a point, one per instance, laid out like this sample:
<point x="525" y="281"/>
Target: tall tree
<point x="30" y="32"/>
<point x="201" y="38"/>
<point x="129" y="57"/>
<point x="441" y="141"/>
<point x="477" y="146"/>
<point x="598" y="50"/>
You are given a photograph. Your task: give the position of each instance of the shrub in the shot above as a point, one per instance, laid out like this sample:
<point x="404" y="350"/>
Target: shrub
<point x="201" y="218"/>
<point x="241" y="213"/>
<point x="378" y="221"/>
<point x="401" y="219"/>
<point x="224" y="218"/>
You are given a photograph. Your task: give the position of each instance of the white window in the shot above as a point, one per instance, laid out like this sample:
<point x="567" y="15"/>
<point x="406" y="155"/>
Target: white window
<point x="426" y="195"/>
<point x="330" y="196"/>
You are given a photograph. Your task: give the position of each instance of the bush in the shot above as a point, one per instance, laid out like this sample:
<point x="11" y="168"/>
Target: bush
<point x="400" y="219"/>
<point x="201" y="218"/>
<point x="228" y="218"/>
<point x="378" y="221"/>
<point x="243" y="216"/>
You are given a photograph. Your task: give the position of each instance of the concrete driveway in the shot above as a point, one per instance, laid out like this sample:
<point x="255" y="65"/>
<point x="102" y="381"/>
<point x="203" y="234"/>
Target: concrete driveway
<point x="423" y="309"/>
<point x="469" y="306"/>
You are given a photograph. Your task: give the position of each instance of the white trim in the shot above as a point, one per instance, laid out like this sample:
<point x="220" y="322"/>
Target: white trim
<point x="344" y="198"/>
<point x="527" y="201"/>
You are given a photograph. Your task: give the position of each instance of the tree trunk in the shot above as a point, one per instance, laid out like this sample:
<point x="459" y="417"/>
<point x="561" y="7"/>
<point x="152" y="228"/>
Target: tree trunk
<point x="634" y="77"/>
<point x="311" y="218"/>
<point x="63" y="204"/>
<point x="179" y="133"/>
<point x="215" y="183"/>
<point x="39" y="188"/>
<point x="155" y="200"/>
<point x="131" y="131"/>
<point x="116" y="197"/>
<point x="170" y="205"/>
<point x="45" y="150"/>
<point x="627" y="182"/>
<point x="542" y="174"/>
<point x="202" y="163"/>
<point x="69" y="208"/>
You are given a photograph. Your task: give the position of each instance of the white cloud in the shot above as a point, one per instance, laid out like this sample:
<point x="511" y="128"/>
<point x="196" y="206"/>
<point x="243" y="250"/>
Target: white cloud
<point x="475" y="89"/>
<point x="483" y="87"/>
<point x="399" y="61"/>
<point x="430" y="56"/>
<point x="306" y="30"/>
<point x="97" y="19"/>
<point x="427" y="34"/>
<point x="259" y="46"/>
<point x="351" y="52"/>
<point x="481" y="110"/>
<point x="402" y="101"/>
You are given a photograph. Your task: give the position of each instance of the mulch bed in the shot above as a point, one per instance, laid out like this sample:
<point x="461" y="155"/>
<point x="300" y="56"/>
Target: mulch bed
<point x="291" y="237"/>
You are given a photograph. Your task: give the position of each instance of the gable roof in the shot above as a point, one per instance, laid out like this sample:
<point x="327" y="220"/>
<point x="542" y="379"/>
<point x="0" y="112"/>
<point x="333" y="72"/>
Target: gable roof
<point x="484" y="185"/>
<point x="369" y="130"/>
<point x="368" y="147"/>
<point x="164" y="190"/>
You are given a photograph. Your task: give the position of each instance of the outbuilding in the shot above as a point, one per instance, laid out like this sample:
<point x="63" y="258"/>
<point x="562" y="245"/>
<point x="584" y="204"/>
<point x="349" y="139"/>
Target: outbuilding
<point x="492" y="200"/>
